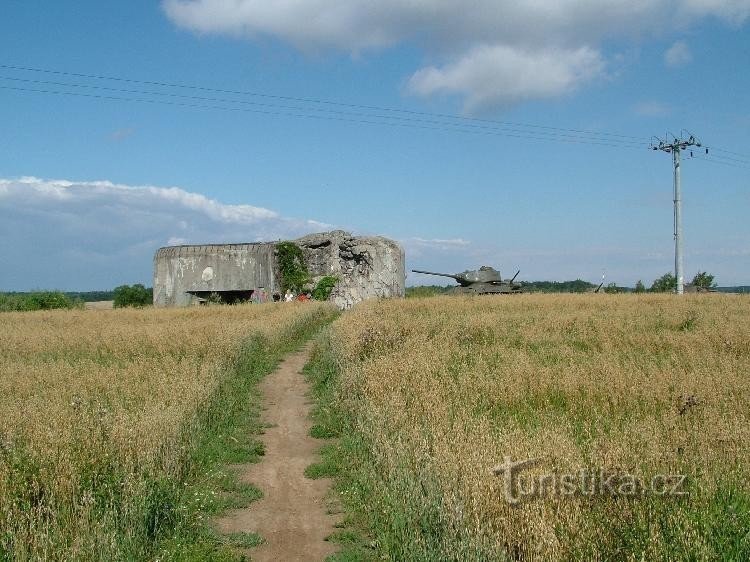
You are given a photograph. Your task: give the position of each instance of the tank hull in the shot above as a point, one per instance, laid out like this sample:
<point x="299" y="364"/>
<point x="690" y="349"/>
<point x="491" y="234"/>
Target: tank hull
<point x="488" y="289"/>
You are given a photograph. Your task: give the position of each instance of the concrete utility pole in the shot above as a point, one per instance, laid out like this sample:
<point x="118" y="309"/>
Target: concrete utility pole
<point x="675" y="147"/>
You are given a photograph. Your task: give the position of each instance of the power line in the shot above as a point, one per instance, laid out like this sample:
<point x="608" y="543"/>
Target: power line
<point x="723" y="163"/>
<point x="729" y="152"/>
<point x="728" y="158"/>
<point x="553" y="136"/>
<point x="421" y="119"/>
<point x="317" y="101"/>
<point x="458" y="128"/>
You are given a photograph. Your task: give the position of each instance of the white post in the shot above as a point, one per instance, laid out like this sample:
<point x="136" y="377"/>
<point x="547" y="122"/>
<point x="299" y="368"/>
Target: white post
<point x="678" y="222"/>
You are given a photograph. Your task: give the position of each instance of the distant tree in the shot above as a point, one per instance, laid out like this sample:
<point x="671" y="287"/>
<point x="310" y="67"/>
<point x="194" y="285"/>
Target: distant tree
<point x="640" y="287"/>
<point x="37" y="300"/>
<point x="704" y="280"/>
<point x="667" y="283"/>
<point x="47" y="300"/>
<point x="90" y="296"/>
<point x="132" y="295"/>
<point x="577" y="286"/>
<point x="611" y="288"/>
<point x="428" y="290"/>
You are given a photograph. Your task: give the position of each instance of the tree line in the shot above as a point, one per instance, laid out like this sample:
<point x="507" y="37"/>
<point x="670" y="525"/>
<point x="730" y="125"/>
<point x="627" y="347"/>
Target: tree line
<point x="123" y="296"/>
<point x="665" y="284"/>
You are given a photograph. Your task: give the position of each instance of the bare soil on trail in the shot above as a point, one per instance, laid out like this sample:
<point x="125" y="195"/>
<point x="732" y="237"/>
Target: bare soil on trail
<point x="291" y="517"/>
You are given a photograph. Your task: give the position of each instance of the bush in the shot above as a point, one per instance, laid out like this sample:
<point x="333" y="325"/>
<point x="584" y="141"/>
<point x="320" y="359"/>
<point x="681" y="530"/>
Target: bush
<point x="133" y="295"/>
<point x="323" y="289"/>
<point x="38" y="300"/>
<point x="291" y="261"/>
<point x="214" y="298"/>
<point x="612" y="289"/>
<point x="427" y="291"/>
<point x="667" y="283"/>
<point x="704" y="280"/>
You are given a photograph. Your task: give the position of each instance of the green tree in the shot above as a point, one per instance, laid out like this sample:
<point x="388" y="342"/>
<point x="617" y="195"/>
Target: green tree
<point x="38" y="300"/>
<point x="577" y="286"/>
<point x="704" y="280"/>
<point x="665" y="284"/>
<point x="132" y="295"/>
<point x="611" y="288"/>
<point x="640" y="287"/>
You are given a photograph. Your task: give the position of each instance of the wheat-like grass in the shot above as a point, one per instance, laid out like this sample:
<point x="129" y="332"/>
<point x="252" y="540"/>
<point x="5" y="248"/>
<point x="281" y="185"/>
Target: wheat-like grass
<point x="97" y="407"/>
<point x="444" y="388"/>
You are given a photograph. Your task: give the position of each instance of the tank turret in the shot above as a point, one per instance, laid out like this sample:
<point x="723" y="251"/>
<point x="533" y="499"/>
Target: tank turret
<point x="483" y="281"/>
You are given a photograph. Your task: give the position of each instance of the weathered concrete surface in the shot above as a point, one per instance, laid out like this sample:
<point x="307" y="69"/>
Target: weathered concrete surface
<point x="212" y="267"/>
<point x="367" y="267"/>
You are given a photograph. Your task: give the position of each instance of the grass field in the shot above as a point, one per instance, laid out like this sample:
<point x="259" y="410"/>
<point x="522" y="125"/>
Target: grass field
<point x="115" y="424"/>
<point x="428" y="395"/>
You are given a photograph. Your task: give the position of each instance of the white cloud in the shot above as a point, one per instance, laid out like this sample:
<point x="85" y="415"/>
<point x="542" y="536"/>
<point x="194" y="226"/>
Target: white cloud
<point x="733" y="12"/>
<point x="554" y="46"/>
<point x="436" y="254"/>
<point x="651" y="109"/>
<point x="501" y="75"/>
<point x="88" y="235"/>
<point x="121" y="134"/>
<point x="678" y="54"/>
<point x="97" y="235"/>
<point x="355" y="25"/>
<point x="441" y="242"/>
<point x="417" y="247"/>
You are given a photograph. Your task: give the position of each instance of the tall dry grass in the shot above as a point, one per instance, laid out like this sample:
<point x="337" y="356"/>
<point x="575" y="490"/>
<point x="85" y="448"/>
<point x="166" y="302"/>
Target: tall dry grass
<point x="440" y="390"/>
<point x="99" y="411"/>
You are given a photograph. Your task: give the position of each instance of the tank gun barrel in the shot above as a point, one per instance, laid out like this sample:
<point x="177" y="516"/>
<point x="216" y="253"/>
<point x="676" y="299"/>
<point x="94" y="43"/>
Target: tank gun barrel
<point x="516" y="275"/>
<point x="433" y="273"/>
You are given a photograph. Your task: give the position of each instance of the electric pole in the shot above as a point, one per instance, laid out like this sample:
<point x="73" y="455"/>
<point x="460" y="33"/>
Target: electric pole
<point x="676" y="146"/>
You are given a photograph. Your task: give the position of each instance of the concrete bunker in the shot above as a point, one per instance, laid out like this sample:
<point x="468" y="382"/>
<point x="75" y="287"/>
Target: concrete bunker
<point x="365" y="267"/>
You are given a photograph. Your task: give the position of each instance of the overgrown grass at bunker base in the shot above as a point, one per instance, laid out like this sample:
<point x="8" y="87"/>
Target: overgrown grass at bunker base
<point x="117" y="425"/>
<point x="427" y="396"/>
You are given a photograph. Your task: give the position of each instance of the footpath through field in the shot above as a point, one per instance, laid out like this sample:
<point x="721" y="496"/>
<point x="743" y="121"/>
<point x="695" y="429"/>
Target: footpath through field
<point x="291" y="517"/>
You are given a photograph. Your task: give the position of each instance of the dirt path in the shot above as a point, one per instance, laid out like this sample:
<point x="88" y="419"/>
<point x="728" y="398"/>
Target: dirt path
<point x="291" y="516"/>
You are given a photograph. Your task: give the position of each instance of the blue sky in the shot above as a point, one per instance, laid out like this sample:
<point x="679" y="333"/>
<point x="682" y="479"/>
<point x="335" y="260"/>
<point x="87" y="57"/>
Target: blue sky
<point x="90" y="187"/>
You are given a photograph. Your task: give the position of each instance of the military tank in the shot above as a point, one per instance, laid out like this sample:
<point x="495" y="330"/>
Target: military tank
<point x="483" y="281"/>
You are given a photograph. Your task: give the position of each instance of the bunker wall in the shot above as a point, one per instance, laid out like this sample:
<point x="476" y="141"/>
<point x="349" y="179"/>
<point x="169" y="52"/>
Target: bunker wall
<point x="178" y="270"/>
